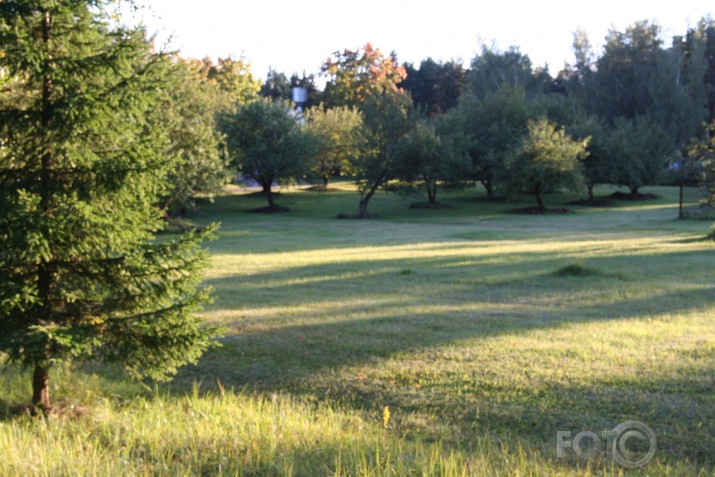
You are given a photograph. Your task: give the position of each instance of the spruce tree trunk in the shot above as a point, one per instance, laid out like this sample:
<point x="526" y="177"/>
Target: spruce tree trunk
<point x="41" y="387"/>
<point x="40" y="377"/>
<point x="634" y="190"/>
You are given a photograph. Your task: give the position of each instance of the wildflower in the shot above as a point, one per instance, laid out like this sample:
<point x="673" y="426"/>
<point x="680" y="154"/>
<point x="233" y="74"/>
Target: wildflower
<point x="386" y="417"/>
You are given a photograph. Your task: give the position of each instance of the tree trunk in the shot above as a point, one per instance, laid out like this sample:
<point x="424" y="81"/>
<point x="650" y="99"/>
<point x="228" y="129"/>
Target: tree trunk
<point x="539" y="202"/>
<point x="269" y="193"/>
<point x="362" y="210"/>
<point x="590" y="192"/>
<point x="680" y="200"/>
<point x="40" y="377"/>
<point x="431" y="187"/>
<point x="41" y="387"/>
<point x="488" y="187"/>
<point x="43" y="273"/>
<point x="634" y="190"/>
<point x="431" y="192"/>
<point x="326" y="182"/>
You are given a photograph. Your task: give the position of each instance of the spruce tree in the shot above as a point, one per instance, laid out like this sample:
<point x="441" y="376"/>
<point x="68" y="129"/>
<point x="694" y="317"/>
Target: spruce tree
<point x="82" y="274"/>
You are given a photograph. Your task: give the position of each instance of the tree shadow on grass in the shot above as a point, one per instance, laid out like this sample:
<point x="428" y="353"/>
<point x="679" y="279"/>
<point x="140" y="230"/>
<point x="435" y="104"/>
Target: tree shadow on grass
<point x="371" y="322"/>
<point x="466" y="277"/>
<point x="284" y="359"/>
<point x="275" y="357"/>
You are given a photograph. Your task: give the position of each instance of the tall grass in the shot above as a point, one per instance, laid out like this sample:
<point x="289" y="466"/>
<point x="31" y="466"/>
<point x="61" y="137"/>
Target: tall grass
<point x="236" y="434"/>
<point x="219" y="434"/>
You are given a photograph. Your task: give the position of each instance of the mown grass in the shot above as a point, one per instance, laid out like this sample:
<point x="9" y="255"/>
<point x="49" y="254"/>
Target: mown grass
<point x="483" y="332"/>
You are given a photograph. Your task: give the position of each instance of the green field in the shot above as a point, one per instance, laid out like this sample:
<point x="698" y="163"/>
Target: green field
<point x="481" y="331"/>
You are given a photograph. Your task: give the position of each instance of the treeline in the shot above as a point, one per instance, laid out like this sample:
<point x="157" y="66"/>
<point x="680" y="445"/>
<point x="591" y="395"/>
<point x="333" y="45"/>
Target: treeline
<point x="634" y="116"/>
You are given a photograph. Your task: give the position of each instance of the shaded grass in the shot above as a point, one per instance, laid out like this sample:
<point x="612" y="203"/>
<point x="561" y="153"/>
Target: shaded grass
<point x="454" y="319"/>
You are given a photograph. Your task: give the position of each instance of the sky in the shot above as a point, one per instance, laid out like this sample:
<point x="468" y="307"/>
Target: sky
<point x="298" y="36"/>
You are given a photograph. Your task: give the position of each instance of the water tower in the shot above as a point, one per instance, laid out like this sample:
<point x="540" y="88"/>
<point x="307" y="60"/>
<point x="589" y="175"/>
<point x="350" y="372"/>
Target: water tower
<point x="300" y="97"/>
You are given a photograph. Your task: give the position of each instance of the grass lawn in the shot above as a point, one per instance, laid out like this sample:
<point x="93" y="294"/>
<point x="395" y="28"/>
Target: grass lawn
<point x="456" y="341"/>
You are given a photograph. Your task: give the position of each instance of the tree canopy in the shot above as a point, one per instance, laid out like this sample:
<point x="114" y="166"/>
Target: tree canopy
<point x="435" y="87"/>
<point x="234" y="78"/>
<point x="387" y="118"/>
<point x="355" y="75"/>
<point x="491" y="128"/>
<point x="428" y="159"/>
<point x="703" y="151"/>
<point x="266" y="143"/>
<point x="195" y="144"/>
<point x="339" y="137"/>
<point x="547" y="160"/>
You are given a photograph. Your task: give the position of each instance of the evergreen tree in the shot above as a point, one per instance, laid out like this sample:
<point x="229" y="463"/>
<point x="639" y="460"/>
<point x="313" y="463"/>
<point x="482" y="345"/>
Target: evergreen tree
<point x="626" y="72"/>
<point x="700" y="62"/>
<point x="81" y="273"/>
<point x="435" y="87"/>
<point x="277" y="86"/>
<point x="492" y="70"/>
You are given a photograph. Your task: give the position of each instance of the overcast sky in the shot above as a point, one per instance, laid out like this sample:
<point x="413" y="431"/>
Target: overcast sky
<point x="297" y="36"/>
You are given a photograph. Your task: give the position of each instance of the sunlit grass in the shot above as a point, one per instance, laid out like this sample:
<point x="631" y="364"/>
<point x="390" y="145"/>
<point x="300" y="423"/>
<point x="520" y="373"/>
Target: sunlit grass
<point x="222" y="434"/>
<point x="457" y="320"/>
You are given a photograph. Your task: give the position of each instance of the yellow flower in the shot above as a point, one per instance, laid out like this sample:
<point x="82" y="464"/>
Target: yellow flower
<point x="386" y="417"/>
